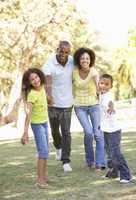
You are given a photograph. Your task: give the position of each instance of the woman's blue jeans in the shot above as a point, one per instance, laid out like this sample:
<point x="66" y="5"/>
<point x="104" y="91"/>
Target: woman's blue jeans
<point x="89" y="118"/>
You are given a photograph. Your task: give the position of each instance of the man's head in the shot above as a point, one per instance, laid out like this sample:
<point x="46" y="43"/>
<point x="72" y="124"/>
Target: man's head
<point x="63" y="52"/>
<point x="105" y="83"/>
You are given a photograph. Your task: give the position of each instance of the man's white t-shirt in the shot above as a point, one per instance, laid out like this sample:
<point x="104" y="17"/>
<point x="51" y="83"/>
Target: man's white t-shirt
<point x="109" y="122"/>
<point x="61" y="81"/>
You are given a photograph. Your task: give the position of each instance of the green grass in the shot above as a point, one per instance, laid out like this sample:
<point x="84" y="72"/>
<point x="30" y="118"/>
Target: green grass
<point x="18" y="174"/>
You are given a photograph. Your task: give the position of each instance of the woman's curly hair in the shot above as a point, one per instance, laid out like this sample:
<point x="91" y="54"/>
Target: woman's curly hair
<point x="79" y="52"/>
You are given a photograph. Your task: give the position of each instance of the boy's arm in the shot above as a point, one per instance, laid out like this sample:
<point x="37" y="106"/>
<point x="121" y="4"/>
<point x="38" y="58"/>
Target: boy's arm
<point x="48" y="88"/>
<point x="25" y="138"/>
<point x="96" y="80"/>
<point x="110" y="109"/>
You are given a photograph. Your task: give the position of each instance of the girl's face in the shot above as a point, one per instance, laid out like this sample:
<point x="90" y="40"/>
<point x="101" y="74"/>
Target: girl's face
<point x="85" y="61"/>
<point x="35" y="81"/>
<point x="104" y="85"/>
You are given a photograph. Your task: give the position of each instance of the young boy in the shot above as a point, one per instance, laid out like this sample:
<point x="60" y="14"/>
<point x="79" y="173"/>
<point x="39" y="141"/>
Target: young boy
<point x="112" y="132"/>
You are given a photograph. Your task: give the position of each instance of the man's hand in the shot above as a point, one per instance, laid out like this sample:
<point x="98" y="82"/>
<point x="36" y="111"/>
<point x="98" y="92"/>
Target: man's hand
<point x="50" y="100"/>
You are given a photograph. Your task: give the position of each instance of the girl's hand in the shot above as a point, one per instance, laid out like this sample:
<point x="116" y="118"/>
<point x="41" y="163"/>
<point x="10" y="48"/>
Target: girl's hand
<point x="24" y="139"/>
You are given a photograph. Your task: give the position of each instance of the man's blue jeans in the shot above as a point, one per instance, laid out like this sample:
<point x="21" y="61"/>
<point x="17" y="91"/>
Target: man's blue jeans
<point x="89" y="118"/>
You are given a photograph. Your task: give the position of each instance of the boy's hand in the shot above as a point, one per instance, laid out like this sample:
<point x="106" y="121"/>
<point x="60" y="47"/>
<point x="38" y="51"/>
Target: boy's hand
<point x="24" y="139"/>
<point x="110" y="109"/>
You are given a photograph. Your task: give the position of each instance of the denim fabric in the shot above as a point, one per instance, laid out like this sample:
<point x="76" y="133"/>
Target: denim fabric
<point x="60" y="121"/>
<point x="89" y="118"/>
<point x="116" y="159"/>
<point x="41" y="139"/>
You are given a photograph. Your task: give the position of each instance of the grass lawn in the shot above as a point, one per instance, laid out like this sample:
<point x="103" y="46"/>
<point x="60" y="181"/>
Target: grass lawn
<point x="18" y="174"/>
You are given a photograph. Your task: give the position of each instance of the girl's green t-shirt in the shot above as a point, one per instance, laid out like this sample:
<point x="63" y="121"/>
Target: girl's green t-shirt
<point x="39" y="109"/>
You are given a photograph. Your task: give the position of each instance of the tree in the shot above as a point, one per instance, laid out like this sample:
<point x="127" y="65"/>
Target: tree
<point x="30" y="30"/>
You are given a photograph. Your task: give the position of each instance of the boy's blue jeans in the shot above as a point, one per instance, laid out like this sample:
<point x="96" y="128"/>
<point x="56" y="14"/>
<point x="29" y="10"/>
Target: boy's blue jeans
<point x="116" y="159"/>
<point x="89" y="118"/>
<point x="40" y="132"/>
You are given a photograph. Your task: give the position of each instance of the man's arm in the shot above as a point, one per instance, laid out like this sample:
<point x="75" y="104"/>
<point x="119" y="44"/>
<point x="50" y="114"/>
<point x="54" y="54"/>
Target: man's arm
<point x="48" y="88"/>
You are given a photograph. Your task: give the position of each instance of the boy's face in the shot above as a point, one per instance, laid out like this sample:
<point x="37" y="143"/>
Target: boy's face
<point x="105" y="85"/>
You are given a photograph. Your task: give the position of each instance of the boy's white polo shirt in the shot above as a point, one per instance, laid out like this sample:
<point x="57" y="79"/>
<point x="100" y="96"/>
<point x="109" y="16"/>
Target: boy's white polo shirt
<point x="61" y="81"/>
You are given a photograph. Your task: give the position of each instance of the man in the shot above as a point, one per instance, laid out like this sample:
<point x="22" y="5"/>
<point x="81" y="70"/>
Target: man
<point x="58" y="72"/>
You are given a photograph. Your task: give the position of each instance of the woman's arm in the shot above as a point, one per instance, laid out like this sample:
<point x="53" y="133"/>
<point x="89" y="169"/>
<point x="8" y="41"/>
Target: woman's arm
<point x="96" y="81"/>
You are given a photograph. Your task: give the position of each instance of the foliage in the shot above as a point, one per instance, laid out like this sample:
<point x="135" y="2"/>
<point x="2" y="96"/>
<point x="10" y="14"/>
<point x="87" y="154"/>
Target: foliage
<point x="30" y="30"/>
<point x="132" y="37"/>
<point x="125" y="72"/>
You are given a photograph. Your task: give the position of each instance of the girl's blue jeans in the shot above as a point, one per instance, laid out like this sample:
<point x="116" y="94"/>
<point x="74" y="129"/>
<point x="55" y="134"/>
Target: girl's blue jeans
<point x="89" y="118"/>
<point x="41" y="139"/>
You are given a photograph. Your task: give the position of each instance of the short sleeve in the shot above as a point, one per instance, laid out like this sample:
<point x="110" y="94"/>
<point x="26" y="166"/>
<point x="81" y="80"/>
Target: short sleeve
<point x="94" y="72"/>
<point x="46" y="69"/>
<point x="31" y="97"/>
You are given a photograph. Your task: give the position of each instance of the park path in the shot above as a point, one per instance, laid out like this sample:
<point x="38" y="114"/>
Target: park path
<point x="127" y="118"/>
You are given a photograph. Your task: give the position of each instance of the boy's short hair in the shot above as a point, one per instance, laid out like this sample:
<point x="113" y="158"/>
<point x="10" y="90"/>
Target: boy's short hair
<point x="107" y="76"/>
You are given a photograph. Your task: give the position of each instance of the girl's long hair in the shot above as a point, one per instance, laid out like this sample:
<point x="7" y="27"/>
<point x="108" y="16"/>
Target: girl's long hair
<point x="26" y="85"/>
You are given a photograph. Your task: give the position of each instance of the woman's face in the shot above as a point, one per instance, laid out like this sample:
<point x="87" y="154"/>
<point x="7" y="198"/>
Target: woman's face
<point x="85" y="61"/>
<point x="35" y="80"/>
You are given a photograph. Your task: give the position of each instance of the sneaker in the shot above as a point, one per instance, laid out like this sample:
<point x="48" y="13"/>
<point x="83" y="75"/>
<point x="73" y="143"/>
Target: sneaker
<point x="125" y="180"/>
<point x="103" y="168"/>
<point x="67" y="167"/>
<point x="58" y="154"/>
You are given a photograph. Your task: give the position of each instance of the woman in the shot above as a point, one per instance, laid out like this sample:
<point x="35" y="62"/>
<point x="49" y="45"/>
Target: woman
<point x="85" y="79"/>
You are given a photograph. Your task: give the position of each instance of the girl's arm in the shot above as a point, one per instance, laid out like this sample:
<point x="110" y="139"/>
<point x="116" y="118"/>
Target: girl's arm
<point x="25" y="138"/>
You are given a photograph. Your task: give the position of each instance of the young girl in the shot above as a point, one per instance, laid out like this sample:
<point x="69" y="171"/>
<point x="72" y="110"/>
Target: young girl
<point x="36" y="113"/>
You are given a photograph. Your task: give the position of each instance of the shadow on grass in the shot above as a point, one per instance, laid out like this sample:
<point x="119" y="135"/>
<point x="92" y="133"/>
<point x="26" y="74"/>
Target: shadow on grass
<point x="18" y="174"/>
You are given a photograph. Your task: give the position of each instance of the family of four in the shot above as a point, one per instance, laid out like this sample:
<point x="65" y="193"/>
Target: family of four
<point x="72" y="81"/>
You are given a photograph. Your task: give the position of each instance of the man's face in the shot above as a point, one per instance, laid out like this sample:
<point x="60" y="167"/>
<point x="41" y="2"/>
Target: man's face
<point x="62" y="53"/>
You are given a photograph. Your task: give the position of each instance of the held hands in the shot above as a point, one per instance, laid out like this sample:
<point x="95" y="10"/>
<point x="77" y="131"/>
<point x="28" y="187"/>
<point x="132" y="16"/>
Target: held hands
<point x="25" y="138"/>
<point x="110" y="109"/>
<point x="50" y="100"/>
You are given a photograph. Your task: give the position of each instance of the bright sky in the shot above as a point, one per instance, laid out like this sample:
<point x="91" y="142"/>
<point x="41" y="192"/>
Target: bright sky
<point x="111" y="17"/>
